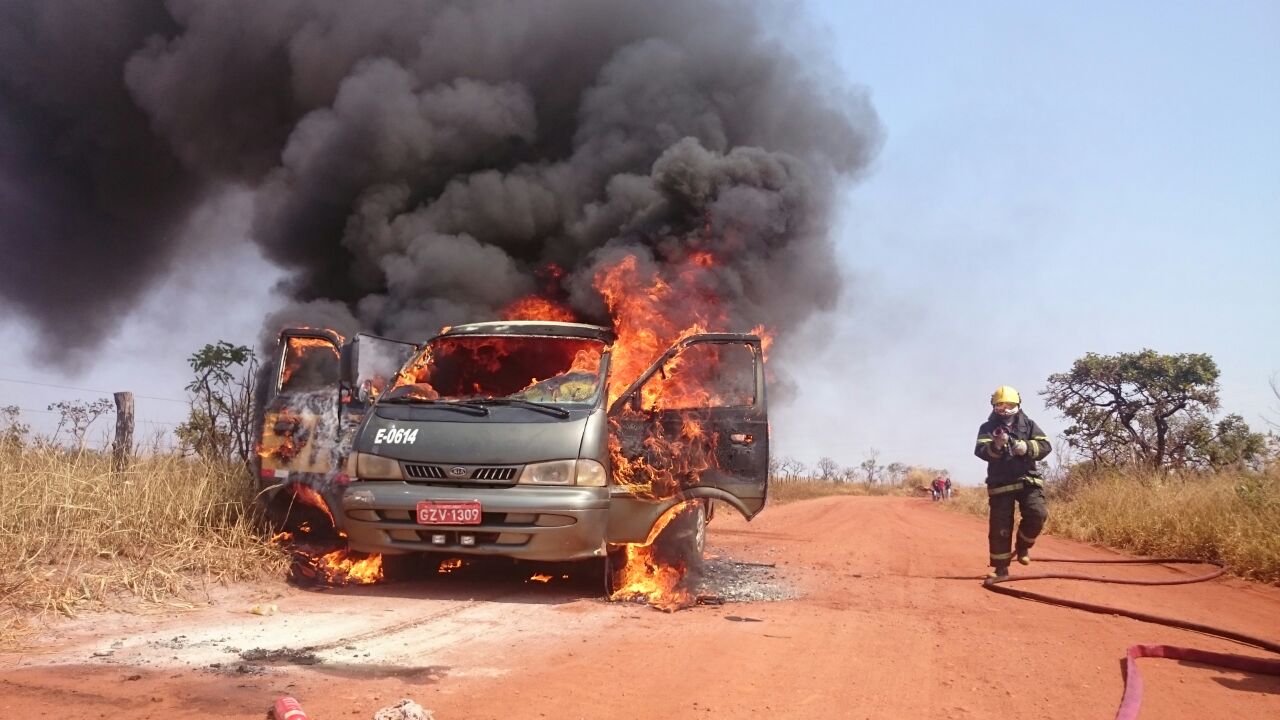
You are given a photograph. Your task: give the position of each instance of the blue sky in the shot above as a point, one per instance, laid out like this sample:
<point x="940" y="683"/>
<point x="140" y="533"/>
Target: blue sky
<point x="1055" y="180"/>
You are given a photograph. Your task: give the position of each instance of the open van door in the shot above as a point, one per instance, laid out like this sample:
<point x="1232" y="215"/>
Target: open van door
<point x="371" y="363"/>
<point x="300" y="414"/>
<point x="317" y="391"/>
<point x="694" y="425"/>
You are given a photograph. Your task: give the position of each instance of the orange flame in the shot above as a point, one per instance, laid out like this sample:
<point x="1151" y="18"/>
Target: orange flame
<point x="296" y="348"/>
<point x="336" y="567"/>
<point x="448" y="566"/>
<point x="534" y="307"/>
<point x="653" y="309"/>
<point x="646" y="578"/>
<point x="540" y="578"/>
<point x="339" y="568"/>
<point x="307" y="495"/>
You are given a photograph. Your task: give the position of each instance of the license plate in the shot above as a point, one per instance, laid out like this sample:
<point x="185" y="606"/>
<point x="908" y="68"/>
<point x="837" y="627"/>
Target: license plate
<point x="465" y="512"/>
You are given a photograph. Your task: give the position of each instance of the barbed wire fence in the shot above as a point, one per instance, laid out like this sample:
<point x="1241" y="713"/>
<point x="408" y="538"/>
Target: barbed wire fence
<point x="147" y="435"/>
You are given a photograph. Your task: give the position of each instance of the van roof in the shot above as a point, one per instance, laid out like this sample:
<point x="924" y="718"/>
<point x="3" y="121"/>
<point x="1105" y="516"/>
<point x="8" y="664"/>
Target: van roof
<point x="532" y="327"/>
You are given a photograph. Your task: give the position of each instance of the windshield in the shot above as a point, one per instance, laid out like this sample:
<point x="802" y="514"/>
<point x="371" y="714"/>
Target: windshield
<point x="557" y="370"/>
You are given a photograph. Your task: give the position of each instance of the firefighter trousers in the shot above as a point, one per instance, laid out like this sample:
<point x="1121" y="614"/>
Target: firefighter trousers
<point x="1029" y="499"/>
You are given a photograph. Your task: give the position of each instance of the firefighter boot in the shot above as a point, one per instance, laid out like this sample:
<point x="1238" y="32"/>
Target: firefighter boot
<point x="1022" y="550"/>
<point x="999" y="572"/>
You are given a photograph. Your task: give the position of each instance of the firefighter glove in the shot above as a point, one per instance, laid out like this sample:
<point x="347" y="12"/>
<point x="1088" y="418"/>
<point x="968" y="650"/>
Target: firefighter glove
<point x="1019" y="447"/>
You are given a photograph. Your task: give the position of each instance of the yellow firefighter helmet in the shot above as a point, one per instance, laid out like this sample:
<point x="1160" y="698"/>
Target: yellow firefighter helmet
<point x="1005" y="394"/>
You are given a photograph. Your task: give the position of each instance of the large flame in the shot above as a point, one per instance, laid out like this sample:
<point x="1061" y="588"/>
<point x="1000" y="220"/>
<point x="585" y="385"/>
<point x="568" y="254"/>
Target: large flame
<point x="646" y="577"/>
<point x="651" y="311"/>
<point x="538" y="308"/>
<point x="325" y="564"/>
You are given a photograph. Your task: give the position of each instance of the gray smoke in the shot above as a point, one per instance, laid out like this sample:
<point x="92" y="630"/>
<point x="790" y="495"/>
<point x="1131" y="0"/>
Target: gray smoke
<point x="416" y="163"/>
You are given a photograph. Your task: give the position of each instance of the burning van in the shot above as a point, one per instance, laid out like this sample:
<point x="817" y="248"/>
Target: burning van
<point x="503" y="438"/>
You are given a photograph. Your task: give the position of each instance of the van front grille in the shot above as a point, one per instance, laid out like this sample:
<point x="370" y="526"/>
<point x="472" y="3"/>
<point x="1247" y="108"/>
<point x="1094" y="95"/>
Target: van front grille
<point x="424" y="472"/>
<point x="454" y="473"/>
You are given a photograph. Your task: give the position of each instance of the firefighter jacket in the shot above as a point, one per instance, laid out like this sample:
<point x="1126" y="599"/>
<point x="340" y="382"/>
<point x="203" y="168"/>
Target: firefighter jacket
<point x="1003" y="467"/>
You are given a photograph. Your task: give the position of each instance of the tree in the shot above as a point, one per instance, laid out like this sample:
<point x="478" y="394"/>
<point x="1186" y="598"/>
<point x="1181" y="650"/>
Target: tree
<point x="77" y="415"/>
<point x="871" y="468"/>
<point x="13" y="432"/>
<point x="895" y="473"/>
<point x="1148" y="408"/>
<point x="221" y="421"/>
<point x="791" y="469"/>
<point x="1233" y="444"/>
<point x="828" y="470"/>
<point x="1275" y="390"/>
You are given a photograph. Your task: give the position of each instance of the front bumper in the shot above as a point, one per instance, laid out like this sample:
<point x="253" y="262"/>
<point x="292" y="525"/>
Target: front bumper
<point x="523" y="522"/>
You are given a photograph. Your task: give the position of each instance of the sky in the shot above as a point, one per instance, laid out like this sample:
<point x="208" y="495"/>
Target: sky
<point x="1054" y="181"/>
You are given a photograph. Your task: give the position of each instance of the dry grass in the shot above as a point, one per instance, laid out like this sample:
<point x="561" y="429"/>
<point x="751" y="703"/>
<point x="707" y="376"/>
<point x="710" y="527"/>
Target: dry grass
<point x="785" y="491"/>
<point x="75" y="533"/>
<point x="1231" y="518"/>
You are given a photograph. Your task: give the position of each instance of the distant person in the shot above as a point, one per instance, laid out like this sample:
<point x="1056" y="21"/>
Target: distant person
<point x="1011" y="443"/>
<point x="946" y="490"/>
<point x="938" y="487"/>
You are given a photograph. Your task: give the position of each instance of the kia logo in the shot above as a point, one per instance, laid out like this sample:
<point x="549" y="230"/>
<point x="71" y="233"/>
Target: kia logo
<point x="458" y="472"/>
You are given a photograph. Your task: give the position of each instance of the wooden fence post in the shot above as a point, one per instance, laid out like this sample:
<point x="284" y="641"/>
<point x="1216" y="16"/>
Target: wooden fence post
<point x="123" y="449"/>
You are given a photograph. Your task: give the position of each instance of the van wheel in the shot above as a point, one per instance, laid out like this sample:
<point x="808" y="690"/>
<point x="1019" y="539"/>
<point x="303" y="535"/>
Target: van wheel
<point x="684" y="539"/>
<point x="611" y="565"/>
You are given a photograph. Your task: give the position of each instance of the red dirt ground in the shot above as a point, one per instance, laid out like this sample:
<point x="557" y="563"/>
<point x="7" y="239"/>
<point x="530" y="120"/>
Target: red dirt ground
<point x="874" y="633"/>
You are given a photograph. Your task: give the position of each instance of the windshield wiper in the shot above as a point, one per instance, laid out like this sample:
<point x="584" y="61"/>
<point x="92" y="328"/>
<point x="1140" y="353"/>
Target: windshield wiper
<point x="516" y="402"/>
<point x="466" y="407"/>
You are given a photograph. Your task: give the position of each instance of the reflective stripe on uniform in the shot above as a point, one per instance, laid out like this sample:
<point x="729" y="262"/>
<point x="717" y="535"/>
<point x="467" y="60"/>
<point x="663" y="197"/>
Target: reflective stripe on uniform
<point x="1002" y="489"/>
<point x="1033" y="449"/>
<point x="1001" y="556"/>
<point x="1033" y="480"/>
<point x="983" y="440"/>
<point x="1029" y="541"/>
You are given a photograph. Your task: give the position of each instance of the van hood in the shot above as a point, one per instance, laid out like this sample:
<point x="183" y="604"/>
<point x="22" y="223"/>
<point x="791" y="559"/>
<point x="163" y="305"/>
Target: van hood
<point x="481" y="441"/>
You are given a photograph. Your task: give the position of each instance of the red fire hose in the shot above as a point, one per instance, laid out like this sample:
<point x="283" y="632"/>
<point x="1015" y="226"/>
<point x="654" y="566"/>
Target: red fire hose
<point x="1132" y="697"/>
<point x="286" y="708"/>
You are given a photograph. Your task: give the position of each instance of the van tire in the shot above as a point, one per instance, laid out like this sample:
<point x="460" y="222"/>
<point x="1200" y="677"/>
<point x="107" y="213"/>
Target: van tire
<point x="611" y="565"/>
<point x="684" y="539"/>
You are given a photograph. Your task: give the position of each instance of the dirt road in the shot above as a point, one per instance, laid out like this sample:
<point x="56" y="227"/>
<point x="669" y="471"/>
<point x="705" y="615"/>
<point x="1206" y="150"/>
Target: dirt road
<point x="871" y="630"/>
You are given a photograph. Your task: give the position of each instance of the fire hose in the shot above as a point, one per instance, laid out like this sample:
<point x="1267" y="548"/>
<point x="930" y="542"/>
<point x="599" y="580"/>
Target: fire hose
<point x="286" y="708"/>
<point x="1132" y="698"/>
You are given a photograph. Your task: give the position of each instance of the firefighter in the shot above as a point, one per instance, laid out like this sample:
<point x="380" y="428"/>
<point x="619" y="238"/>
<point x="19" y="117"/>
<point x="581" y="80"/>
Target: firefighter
<point x="1012" y="443"/>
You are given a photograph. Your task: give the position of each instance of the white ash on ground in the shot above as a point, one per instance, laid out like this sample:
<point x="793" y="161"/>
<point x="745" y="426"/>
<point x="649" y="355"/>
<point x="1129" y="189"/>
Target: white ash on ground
<point x="406" y="709"/>
<point x="727" y="580"/>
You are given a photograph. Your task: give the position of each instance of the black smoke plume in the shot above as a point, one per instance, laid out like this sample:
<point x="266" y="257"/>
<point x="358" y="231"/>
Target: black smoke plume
<point x="417" y="163"/>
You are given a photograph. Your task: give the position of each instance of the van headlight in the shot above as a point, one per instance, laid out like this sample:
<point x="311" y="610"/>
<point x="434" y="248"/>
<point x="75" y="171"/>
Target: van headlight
<point x="564" y="472"/>
<point x="591" y="473"/>
<point x="373" y="467"/>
